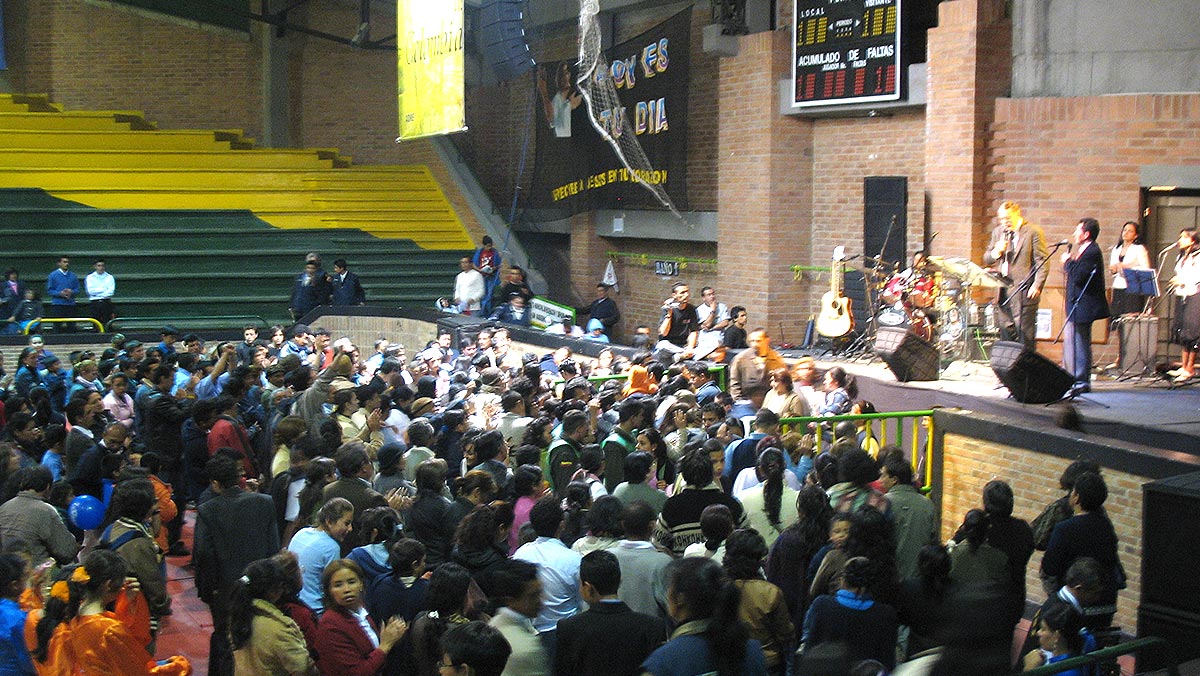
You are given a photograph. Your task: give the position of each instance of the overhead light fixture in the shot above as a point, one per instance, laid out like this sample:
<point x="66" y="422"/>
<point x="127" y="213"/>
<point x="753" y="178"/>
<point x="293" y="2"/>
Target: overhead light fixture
<point x="1163" y="188"/>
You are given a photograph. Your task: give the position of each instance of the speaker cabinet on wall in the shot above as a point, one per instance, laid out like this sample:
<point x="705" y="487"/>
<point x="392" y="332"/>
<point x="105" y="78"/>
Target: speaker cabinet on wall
<point x="1029" y="377"/>
<point x="502" y="33"/>
<point x="909" y="356"/>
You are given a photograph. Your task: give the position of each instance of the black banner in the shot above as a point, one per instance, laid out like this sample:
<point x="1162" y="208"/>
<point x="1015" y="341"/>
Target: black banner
<point x="575" y="168"/>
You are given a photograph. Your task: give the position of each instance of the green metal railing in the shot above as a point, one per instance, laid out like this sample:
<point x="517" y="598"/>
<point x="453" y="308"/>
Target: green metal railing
<point x="892" y="424"/>
<point x="1108" y="654"/>
<point x="29" y="328"/>
<point x="206" y="321"/>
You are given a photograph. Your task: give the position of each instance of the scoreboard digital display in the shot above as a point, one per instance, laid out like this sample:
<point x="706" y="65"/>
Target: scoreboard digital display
<point x="845" y="51"/>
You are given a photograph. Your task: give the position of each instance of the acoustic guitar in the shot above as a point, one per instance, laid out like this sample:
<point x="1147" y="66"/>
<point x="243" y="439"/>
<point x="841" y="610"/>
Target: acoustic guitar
<point x="835" y="319"/>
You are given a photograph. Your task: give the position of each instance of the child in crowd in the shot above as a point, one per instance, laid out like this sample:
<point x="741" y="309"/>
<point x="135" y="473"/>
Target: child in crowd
<point x="835" y="551"/>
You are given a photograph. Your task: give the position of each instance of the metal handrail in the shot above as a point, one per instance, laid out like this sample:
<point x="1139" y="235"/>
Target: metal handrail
<point x="1105" y="654"/>
<point x="61" y="320"/>
<point x="238" y="320"/>
<point x="917" y="456"/>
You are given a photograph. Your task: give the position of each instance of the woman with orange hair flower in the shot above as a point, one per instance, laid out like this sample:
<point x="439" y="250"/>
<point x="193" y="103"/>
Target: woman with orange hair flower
<point x="78" y="634"/>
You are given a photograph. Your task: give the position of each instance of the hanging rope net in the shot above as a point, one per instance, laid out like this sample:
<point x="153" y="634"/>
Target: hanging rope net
<point x="604" y="107"/>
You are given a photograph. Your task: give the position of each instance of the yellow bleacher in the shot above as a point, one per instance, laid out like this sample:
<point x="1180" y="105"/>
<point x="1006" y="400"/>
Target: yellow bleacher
<point x="120" y="160"/>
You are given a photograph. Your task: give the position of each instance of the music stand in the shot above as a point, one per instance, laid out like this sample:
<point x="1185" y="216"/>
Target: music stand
<point x="1140" y="281"/>
<point x="1139" y="333"/>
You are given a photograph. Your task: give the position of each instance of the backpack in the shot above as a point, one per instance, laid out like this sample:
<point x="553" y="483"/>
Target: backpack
<point x="114" y="545"/>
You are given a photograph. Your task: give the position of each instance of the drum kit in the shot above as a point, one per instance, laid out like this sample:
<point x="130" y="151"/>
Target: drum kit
<point x="934" y="301"/>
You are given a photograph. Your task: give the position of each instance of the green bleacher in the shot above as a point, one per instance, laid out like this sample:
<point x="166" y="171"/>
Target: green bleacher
<point x="178" y="262"/>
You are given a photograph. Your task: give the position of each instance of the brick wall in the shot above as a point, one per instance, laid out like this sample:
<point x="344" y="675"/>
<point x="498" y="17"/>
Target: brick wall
<point x="845" y="151"/>
<point x="969" y="463"/>
<point x="766" y="185"/>
<point x="969" y="66"/>
<point x="97" y="57"/>
<point x="1047" y="155"/>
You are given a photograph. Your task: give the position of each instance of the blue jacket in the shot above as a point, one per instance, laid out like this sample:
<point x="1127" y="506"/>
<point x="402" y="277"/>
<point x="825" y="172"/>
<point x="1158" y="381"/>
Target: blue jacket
<point x="14" y="656"/>
<point x="1085" y="286"/>
<point x="306" y="297"/>
<point x="347" y="291"/>
<point x="505" y="314"/>
<point x="59" y="280"/>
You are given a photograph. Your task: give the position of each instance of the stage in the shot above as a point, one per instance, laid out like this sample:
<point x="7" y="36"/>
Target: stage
<point x="1141" y="411"/>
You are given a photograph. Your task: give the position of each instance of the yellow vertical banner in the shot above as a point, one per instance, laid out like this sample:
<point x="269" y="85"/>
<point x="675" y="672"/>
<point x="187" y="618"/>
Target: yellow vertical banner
<point x="429" y="38"/>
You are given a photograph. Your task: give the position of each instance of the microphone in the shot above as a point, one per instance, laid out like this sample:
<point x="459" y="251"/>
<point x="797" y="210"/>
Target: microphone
<point x="1169" y="247"/>
<point x="1065" y="242"/>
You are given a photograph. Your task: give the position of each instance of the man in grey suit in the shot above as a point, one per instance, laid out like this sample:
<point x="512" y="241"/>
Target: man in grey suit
<point x="1017" y="247"/>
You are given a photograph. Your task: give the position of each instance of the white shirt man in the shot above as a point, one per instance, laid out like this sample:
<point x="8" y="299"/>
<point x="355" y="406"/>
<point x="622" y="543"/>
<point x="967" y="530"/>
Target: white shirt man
<point x="100" y="284"/>
<point x="714" y="319"/>
<point x="469" y="288"/>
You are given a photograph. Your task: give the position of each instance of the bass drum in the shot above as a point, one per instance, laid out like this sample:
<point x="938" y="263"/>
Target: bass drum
<point x="915" y="321"/>
<point x="952" y="324"/>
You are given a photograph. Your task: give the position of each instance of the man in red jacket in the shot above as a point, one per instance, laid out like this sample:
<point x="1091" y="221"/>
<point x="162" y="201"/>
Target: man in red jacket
<point x="229" y="432"/>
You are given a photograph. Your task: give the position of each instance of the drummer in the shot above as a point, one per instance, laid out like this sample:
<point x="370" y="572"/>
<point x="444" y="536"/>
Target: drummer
<point x="914" y="285"/>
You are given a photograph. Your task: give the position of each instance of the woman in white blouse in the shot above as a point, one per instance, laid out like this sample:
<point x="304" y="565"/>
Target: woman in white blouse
<point x="1128" y="254"/>
<point x="1185" y="330"/>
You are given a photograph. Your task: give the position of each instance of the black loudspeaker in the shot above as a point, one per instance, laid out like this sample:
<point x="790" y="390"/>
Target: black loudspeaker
<point x="885" y="228"/>
<point x="1170" y="601"/>
<point x="886" y="198"/>
<point x="1029" y="377"/>
<point x="502" y="31"/>
<point x="909" y="356"/>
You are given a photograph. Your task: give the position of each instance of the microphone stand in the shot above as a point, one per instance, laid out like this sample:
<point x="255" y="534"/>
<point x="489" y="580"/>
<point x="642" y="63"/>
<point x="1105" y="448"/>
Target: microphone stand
<point x="1027" y="283"/>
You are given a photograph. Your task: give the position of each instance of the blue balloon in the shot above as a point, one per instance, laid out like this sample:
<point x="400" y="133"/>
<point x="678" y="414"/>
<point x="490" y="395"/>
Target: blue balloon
<point x="86" y="512"/>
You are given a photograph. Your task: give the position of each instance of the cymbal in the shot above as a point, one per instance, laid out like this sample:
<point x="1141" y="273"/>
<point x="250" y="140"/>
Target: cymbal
<point x="967" y="271"/>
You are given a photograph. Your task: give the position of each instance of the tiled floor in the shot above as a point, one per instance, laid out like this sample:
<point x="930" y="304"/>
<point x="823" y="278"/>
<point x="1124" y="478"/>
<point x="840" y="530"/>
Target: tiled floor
<point x="187" y="630"/>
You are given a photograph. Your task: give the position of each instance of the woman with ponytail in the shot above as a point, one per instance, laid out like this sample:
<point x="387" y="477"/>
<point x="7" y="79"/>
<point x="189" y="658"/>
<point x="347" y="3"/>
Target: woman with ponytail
<point x="265" y="641"/>
<point x="973" y="560"/>
<point x="762" y="607"/>
<point x="447" y="600"/>
<point x="771" y="505"/>
<point x="797" y="546"/>
<point x="78" y="634"/>
<point x="709" y="638"/>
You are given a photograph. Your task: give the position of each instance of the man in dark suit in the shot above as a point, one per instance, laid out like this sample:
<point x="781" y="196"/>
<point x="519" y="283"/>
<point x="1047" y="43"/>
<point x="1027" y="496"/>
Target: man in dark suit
<point x="355" y="469"/>
<point x="1016" y="248"/>
<point x="346" y="288"/>
<point x="1084" y="269"/>
<point x="232" y="529"/>
<point x="13" y="293"/>
<point x="610" y="638"/>
<point x="310" y="289"/>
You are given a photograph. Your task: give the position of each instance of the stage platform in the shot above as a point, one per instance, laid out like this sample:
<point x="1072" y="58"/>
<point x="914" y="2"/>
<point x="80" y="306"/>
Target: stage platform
<point x="1141" y="411"/>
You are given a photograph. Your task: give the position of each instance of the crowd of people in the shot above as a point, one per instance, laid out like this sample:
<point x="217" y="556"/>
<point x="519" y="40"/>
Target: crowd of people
<point x="478" y="509"/>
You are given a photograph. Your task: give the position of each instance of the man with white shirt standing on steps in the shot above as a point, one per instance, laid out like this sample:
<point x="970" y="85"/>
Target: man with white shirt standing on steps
<point x="101" y="286"/>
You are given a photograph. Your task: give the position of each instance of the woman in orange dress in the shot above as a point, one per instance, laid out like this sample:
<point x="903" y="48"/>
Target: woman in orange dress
<point x="77" y="634"/>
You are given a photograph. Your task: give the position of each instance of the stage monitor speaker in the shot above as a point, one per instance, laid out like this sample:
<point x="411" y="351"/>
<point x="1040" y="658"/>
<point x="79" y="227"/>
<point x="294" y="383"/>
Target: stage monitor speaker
<point x="1029" y="377"/>
<point x="909" y="356"/>
<point x="502" y="32"/>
